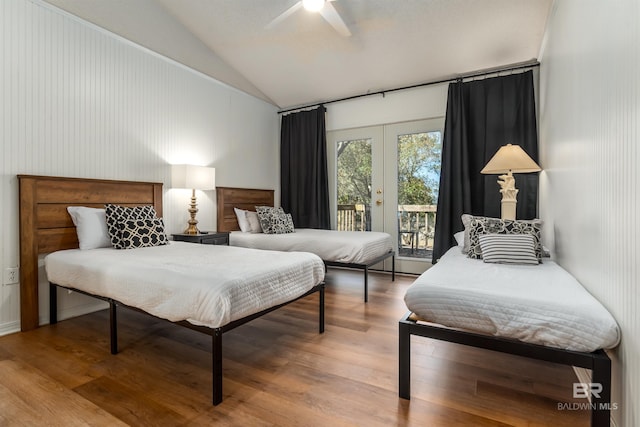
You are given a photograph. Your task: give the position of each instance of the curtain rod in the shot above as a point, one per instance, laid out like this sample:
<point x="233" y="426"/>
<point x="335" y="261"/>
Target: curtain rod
<point x="435" y="82"/>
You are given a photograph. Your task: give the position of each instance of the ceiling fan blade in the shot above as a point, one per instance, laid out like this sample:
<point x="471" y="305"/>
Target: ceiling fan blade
<point x="330" y="14"/>
<point x="284" y="15"/>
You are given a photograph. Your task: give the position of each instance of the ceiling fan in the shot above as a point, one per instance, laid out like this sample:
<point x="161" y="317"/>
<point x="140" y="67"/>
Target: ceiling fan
<point x="324" y="7"/>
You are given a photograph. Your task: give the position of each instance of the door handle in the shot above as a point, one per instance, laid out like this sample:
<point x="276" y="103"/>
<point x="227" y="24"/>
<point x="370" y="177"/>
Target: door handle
<point x="379" y="202"/>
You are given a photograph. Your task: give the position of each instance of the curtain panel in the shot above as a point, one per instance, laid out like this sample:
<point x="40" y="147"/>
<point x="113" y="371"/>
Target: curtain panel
<point x="481" y="117"/>
<point x="304" y="181"/>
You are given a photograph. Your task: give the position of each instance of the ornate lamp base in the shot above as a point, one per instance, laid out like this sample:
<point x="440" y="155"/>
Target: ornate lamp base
<point x="193" y="222"/>
<point x="191" y="229"/>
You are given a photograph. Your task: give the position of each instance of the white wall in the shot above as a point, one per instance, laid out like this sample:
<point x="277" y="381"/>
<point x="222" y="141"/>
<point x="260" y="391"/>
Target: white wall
<point x="413" y="104"/>
<point x="590" y="152"/>
<point x="78" y="101"/>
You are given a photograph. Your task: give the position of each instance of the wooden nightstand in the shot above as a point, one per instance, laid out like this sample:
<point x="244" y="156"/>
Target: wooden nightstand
<point x="206" y="238"/>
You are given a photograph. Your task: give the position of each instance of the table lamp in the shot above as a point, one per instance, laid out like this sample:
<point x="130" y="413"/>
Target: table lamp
<point x="508" y="159"/>
<point x="194" y="178"/>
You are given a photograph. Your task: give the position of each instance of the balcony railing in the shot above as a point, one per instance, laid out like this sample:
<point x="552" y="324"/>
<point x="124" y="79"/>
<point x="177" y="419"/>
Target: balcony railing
<point x="356" y="217"/>
<point x="416" y="224"/>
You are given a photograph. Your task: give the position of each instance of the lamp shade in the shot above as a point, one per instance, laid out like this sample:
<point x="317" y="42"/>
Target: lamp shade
<point x="510" y="158"/>
<point x="193" y="177"/>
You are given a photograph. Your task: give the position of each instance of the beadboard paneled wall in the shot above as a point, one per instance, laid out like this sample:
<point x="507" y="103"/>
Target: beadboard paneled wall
<point x="590" y="152"/>
<point x="78" y="101"/>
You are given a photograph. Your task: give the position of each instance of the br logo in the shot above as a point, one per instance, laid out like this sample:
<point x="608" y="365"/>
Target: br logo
<point x="583" y="390"/>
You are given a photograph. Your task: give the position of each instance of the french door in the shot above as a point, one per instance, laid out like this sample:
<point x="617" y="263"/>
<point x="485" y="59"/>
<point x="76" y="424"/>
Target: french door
<point x="385" y="178"/>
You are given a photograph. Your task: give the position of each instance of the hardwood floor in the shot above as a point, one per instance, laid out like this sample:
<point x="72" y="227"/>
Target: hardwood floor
<point x="278" y="371"/>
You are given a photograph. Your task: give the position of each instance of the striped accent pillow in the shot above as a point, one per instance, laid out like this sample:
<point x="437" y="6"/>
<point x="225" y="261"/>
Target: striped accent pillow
<point x="508" y="248"/>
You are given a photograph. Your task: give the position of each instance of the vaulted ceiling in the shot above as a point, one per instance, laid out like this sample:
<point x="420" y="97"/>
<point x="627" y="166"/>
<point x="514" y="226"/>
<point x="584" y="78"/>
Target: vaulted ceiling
<point x="304" y="60"/>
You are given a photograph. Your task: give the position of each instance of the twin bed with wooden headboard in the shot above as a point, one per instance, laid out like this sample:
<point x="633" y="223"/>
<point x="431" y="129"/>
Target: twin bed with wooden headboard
<point x="359" y="250"/>
<point x="193" y="285"/>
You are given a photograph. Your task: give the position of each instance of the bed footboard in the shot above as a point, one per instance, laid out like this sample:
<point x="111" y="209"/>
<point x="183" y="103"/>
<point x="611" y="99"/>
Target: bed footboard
<point x="598" y="361"/>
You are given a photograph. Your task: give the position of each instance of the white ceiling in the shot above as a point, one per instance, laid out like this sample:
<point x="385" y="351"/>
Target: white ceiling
<point x="303" y="60"/>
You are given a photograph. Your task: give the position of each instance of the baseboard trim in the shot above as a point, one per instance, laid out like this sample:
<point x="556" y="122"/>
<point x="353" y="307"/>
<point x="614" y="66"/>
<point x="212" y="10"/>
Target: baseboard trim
<point x="584" y="375"/>
<point x="9" y="328"/>
<point x="75" y="311"/>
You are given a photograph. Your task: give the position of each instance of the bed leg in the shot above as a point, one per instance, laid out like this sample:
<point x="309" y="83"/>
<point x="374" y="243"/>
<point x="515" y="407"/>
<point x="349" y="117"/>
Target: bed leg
<point x="321" y="311"/>
<point x="404" y="360"/>
<point x="53" y="303"/>
<point x="601" y="374"/>
<point x="216" y="356"/>
<point x="113" y="326"/>
<point x="393" y="267"/>
<point x="366" y="283"/>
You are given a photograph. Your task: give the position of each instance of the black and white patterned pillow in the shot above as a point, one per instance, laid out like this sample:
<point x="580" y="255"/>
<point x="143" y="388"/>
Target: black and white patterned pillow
<point x="479" y="225"/>
<point x="142" y="233"/>
<point x="282" y="223"/>
<point x="289" y="228"/>
<point x="266" y="216"/>
<point x="117" y="214"/>
<point x="508" y="248"/>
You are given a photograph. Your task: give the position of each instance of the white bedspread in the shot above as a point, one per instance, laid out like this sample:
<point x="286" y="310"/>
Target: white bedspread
<point x="357" y="247"/>
<point x="541" y="304"/>
<point x="206" y="285"/>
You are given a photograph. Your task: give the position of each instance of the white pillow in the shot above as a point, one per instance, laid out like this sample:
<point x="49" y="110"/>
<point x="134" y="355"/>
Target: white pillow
<point x="459" y="236"/>
<point x="242" y="220"/>
<point x="466" y="221"/>
<point x="91" y="227"/>
<point x="254" y="221"/>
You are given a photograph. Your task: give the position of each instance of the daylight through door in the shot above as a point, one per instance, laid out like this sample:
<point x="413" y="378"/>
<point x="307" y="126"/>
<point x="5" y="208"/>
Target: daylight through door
<point x="386" y="178"/>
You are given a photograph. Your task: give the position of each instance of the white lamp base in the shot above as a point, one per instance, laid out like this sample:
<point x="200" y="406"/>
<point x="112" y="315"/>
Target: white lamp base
<point x="509" y="193"/>
<point x="509" y="209"/>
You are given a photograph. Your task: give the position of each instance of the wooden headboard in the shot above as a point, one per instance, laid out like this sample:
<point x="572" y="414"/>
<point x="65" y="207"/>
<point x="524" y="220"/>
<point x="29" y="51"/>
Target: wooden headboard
<point x="242" y="198"/>
<point x="45" y="225"/>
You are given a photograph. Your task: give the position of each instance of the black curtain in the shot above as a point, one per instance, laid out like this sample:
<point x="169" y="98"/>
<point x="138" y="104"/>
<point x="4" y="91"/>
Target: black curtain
<point x="481" y="117"/>
<point x="303" y="168"/>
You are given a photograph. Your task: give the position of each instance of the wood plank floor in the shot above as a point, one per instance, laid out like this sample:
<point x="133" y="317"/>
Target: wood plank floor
<point x="278" y="371"/>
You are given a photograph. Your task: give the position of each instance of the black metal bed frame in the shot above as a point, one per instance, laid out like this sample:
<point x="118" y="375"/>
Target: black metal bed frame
<point x="598" y="361"/>
<point x="216" y="333"/>
<point x="365" y="267"/>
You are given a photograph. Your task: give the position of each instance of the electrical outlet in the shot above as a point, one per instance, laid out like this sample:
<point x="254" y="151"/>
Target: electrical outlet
<point x="11" y="275"/>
